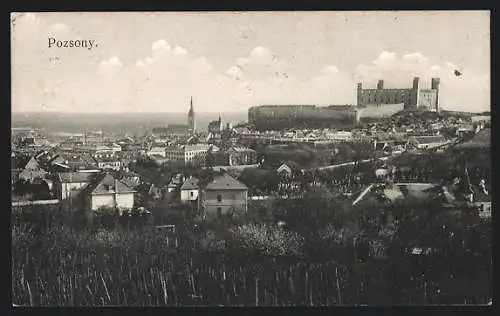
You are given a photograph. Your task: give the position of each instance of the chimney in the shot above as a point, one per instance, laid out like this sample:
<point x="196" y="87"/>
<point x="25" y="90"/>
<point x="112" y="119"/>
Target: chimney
<point x="380" y="85"/>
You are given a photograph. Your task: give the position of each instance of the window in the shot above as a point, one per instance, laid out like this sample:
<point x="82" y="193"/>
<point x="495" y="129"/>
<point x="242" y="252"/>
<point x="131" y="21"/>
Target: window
<point x="192" y="193"/>
<point x="219" y="211"/>
<point x="219" y="197"/>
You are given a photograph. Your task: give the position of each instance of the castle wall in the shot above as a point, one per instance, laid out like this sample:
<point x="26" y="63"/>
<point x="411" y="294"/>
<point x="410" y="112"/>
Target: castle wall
<point x="385" y="96"/>
<point x="380" y="110"/>
<point x="301" y="113"/>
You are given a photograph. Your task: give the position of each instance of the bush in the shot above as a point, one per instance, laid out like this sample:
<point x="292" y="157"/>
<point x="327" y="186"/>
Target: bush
<point x="268" y="240"/>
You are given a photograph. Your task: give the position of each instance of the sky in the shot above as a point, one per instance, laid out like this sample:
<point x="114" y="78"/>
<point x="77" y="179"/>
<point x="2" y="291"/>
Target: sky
<point x="230" y="61"/>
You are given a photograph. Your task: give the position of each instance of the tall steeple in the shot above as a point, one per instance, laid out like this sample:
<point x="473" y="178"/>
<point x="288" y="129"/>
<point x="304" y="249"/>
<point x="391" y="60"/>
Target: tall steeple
<point x="191" y="118"/>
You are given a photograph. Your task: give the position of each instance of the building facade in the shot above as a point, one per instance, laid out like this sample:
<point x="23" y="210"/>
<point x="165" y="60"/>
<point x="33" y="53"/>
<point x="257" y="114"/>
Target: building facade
<point x="241" y="156"/>
<point x="190" y="190"/>
<point x="109" y="192"/>
<point x="410" y="98"/>
<point x="215" y="126"/>
<point x="188" y="154"/>
<point x="225" y="195"/>
<point x="70" y="184"/>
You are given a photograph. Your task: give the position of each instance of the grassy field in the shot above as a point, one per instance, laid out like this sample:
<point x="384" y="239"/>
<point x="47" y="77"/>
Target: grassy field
<point x="56" y="265"/>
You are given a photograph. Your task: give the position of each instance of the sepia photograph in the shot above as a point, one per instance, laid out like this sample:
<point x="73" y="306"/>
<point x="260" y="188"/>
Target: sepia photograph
<point x="240" y="158"/>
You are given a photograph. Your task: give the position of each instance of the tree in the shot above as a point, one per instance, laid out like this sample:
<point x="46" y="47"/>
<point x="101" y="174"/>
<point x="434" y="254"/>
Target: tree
<point x="210" y="159"/>
<point x="106" y="217"/>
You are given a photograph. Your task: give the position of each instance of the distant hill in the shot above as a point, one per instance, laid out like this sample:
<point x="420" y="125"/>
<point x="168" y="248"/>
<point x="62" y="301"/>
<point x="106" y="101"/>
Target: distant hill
<point x="132" y="123"/>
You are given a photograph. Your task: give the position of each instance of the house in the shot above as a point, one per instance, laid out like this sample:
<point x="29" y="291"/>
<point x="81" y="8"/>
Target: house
<point x="465" y="130"/>
<point x="106" y="163"/>
<point x="158" y="160"/>
<point x="18" y="162"/>
<point x="482" y="140"/>
<point x="108" y="191"/>
<point x="70" y="184"/>
<point x="426" y="142"/>
<point x="157" y="191"/>
<point x="177" y="129"/>
<point x="32" y="170"/>
<point x="284" y="170"/>
<point x="215" y="126"/>
<point x="190" y="154"/>
<point x="341" y="136"/>
<point x="159" y="131"/>
<point x="74" y="161"/>
<point x="190" y="190"/>
<point x="175" y="183"/>
<point x="241" y="156"/>
<point x="224" y="195"/>
<point x="131" y="179"/>
<point x="289" y="169"/>
<point x="482" y="201"/>
<point x="156" y="151"/>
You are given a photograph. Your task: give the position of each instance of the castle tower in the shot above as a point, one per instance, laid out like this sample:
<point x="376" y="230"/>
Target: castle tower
<point x="380" y="85"/>
<point x="435" y="86"/>
<point x="359" y="93"/>
<point x="191" y="121"/>
<point x="415" y="92"/>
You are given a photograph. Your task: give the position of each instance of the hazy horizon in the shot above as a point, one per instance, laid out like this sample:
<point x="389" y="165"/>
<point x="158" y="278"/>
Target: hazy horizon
<point x="128" y="123"/>
<point x="229" y="61"/>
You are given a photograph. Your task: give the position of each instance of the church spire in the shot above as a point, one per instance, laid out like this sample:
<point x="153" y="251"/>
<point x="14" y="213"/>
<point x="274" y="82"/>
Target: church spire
<point x="191" y="118"/>
<point x="191" y="110"/>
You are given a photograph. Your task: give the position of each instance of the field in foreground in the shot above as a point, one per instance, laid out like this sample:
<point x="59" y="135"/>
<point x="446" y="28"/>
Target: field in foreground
<point x="56" y="265"/>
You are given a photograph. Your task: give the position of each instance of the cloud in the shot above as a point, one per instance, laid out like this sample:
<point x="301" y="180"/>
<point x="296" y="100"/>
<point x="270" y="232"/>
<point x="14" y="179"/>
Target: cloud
<point x="179" y="51"/>
<point x="234" y="72"/>
<point x="261" y="63"/>
<point x="330" y="70"/>
<point x="106" y="66"/>
<point x="59" y="30"/>
<point x="165" y="78"/>
<point x="160" y="47"/>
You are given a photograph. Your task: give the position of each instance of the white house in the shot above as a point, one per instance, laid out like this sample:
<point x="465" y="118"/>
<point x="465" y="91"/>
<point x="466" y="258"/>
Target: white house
<point x="381" y="173"/>
<point x="71" y="183"/>
<point x="176" y="181"/>
<point x="107" y="191"/>
<point x="190" y="154"/>
<point x="341" y="136"/>
<point x="284" y="169"/>
<point x="157" y="151"/>
<point x="190" y="190"/>
<point x="109" y="163"/>
<point x="427" y="142"/>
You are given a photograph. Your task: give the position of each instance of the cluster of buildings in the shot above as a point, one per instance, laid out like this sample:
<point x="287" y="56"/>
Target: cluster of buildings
<point x="91" y="170"/>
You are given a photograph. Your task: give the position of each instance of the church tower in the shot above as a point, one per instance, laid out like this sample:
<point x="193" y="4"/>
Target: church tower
<point x="191" y="122"/>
